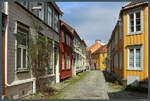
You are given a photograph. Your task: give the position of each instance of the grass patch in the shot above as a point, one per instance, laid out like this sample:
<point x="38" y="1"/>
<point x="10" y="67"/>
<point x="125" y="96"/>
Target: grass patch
<point x="72" y="80"/>
<point x="69" y="81"/>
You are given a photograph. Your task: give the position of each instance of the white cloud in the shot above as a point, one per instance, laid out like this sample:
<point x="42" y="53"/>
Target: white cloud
<point x="92" y="21"/>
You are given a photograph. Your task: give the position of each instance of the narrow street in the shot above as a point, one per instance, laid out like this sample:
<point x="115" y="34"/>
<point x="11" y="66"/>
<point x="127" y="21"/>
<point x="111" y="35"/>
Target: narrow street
<point x="95" y="86"/>
<point x="92" y="86"/>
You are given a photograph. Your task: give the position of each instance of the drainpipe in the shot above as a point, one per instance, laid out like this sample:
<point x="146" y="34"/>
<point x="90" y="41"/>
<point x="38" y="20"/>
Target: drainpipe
<point x="6" y="47"/>
<point x="3" y="58"/>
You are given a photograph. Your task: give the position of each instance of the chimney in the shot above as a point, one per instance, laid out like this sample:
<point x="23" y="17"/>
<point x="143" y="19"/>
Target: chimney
<point x="97" y="41"/>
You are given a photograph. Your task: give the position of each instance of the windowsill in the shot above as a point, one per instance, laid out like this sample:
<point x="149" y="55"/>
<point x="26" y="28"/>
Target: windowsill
<point x="134" y="69"/>
<point x="22" y="70"/>
<point x="134" y="33"/>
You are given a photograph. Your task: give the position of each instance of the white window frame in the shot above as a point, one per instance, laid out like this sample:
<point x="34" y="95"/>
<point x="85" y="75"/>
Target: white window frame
<point x="121" y="29"/>
<point x="128" y="54"/>
<point x="22" y="47"/>
<point x="128" y="21"/>
<point x="49" y="11"/>
<point x="56" y="22"/>
<point x="63" y="64"/>
<point x="41" y="11"/>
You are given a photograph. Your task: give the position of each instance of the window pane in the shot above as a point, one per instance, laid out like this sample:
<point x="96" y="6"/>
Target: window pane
<point x="138" y="21"/>
<point x="24" y="58"/>
<point x="62" y="61"/>
<point x="131" y="58"/>
<point x="49" y="16"/>
<point x="138" y="58"/>
<point x="18" y="57"/>
<point x="131" y="22"/>
<point x="22" y="37"/>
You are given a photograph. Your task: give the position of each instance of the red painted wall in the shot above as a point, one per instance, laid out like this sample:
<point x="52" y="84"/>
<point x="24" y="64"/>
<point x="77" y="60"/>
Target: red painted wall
<point x="64" y="48"/>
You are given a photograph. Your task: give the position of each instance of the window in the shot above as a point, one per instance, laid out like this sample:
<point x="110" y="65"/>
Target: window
<point x="135" y="22"/>
<point x="116" y="36"/>
<point x="63" y="62"/>
<point x="63" y="38"/>
<point x="68" y="40"/>
<point x="116" y="61"/>
<point x="22" y="45"/>
<point x="103" y="63"/>
<point x="134" y="57"/>
<point x="24" y="3"/>
<point x="121" y="58"/>
<point x="103" y="55"/>
<point x="68" y="62"/>
<point x="50" y="60"/>
<point x="121" y="31"/>
<point x="49" y="16"/>
<point x="56" y="25"/>
<point x="41" y="11"/>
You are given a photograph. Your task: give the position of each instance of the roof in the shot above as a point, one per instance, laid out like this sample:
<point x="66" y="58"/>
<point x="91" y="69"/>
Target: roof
<point x="68" y="27"/>
<point x="92" y="46"/>
<point x="57" y="8"/>
<point x="134" y="4"/>
<point x="102" y="49"/>
<point x="84" y="43"/>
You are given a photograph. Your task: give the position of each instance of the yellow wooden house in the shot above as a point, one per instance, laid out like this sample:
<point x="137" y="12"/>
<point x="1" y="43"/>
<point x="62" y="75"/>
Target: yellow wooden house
<point x="99" y="58"/>
<point x="128" y="44"/>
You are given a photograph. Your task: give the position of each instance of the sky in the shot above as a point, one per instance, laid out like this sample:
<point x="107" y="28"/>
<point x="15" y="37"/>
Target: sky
<point x="91" y="20"/>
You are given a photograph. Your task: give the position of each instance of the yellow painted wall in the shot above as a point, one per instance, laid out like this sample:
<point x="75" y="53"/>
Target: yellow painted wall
<point x="99" y="59"/>
<point x="135" y="40"/>
<point x="118" y="46"/>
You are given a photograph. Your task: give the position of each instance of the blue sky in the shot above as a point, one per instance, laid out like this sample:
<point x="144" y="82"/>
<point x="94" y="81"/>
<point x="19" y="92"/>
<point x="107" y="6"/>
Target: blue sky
<point x="92" y="20"/>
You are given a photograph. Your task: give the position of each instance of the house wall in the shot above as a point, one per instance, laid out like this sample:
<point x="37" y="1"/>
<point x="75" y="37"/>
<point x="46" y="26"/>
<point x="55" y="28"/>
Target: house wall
<point x="100" y="60"/>
<point x="67" y="50"/>
<point x="136" y="40"/>
<point x="17" y="82"/>
<point x="116" y="51"/>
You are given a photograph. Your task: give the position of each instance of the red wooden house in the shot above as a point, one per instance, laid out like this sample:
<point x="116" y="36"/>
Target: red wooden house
<point x="66" y="49"/>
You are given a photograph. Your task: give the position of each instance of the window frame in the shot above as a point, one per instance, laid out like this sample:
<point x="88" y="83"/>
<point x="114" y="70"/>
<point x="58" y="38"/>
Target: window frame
<point x="128" y="54"/>
<point x="20" y="28"/>
<point x="41" y="11"/>
<point x="63" y="62"/>
<point x="134" y="15"/>
<point x="102" y="55"/>
<point x="49" y="14"/>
